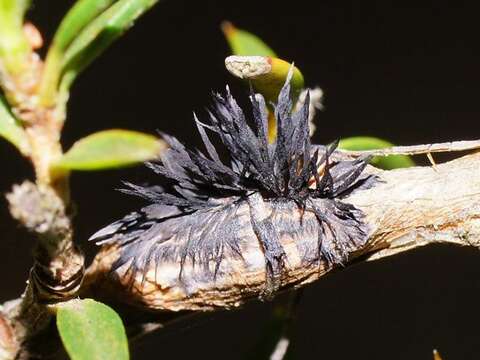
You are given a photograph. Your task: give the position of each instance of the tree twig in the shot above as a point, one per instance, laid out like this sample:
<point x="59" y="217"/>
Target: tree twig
<point x="408" y="208"/>
<point x="58" y="267"/>
<point x="464" y="145"/>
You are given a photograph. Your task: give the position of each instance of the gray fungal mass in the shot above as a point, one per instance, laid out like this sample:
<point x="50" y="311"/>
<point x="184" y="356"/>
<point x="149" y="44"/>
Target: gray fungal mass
<point x="266" y="191"/>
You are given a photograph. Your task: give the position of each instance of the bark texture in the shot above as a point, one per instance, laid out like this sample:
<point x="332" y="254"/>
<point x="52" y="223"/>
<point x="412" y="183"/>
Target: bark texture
<point x="406" y="209"/>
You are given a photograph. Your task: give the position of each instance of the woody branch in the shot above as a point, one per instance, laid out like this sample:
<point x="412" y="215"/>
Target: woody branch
<point x="408" y="208"/>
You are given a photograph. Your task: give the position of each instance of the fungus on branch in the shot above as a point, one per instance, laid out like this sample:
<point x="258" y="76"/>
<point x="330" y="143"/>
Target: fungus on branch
<point x="279" y="217"/>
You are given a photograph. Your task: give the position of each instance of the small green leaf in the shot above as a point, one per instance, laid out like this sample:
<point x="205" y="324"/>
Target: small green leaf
<point x="82" y="13"/>
<point x="372" y="143"/>
<point x="110" y="149"/>
<point x="95" y="28"/>
<point x="79" y="16"/>
<point x="244" y="43"/>
<point x="99" y="35"/>
<point x="91" y="330"/>
<point x="11" y="129"/>
<point x="14" y="46"/>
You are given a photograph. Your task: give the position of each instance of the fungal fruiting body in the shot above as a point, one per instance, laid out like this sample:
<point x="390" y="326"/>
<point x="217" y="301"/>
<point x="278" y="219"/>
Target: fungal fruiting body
<point x="269" y="209"/>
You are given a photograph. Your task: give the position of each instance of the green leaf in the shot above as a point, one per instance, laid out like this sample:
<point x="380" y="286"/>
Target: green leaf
<point x="11" y="130"/>
<point x="372" y="143"/>
<point x="14" y="46"/>
<point x="98" y="36"/>
<point x="95" y="32"/>
<point x="110" y="149"/>
<point x="244" y="43"/>
<point x="91" y="330"/>
<point x="79" y="16"/>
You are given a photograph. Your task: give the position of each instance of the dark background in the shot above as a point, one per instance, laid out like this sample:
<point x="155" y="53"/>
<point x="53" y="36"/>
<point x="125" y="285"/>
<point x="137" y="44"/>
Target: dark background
<point x="408" y="74"/>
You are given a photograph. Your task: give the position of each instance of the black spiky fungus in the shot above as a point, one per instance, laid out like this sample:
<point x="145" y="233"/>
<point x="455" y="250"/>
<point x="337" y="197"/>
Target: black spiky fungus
<point x="206" y="222"/>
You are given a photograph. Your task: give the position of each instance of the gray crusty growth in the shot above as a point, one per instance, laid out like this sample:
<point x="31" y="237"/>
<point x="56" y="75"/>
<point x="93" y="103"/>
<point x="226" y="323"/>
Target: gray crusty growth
<point x="194" y="218"/>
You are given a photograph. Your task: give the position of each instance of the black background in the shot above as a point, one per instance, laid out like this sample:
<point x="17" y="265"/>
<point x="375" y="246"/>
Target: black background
<point x="408" y="74"/>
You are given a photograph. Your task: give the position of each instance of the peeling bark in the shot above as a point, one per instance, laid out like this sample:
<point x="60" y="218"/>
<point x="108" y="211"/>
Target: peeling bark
<point x="58" y="267"/>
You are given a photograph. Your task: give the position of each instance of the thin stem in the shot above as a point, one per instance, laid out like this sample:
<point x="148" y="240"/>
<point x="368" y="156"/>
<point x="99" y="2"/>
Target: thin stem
<point x="419" y="149"/>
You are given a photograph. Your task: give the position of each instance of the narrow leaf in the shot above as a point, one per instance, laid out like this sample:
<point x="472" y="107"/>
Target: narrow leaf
<point x="244" y="43"/>
<point x="11" y="129"/>
<point x="14" y="46"/>
<point x="98" y="36"/>
<point x="371" y="143"/>
<point x="96" y="27"/>
<point x="79" y="16"/>
<point x="91" y="330"/>
<point x="110" y="149"/>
